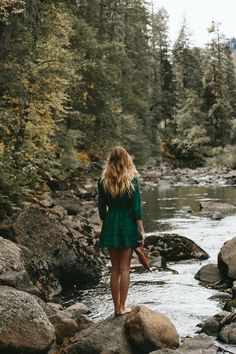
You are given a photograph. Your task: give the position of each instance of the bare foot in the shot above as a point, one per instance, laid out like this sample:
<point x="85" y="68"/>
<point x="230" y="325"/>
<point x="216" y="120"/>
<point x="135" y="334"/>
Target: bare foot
<point x="125" y="310"/>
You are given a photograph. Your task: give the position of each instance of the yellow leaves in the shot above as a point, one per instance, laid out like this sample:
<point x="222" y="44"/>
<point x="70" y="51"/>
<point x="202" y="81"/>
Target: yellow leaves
<point x="83" y="156"/>
<point x="1" y="147"/>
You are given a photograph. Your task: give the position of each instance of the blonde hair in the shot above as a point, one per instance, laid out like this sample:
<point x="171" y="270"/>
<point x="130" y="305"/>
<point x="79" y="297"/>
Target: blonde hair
<point x="118" y="172"/>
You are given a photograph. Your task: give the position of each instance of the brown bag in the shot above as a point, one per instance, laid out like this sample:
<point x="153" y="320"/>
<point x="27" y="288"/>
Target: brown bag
<point x="143" y="257"/>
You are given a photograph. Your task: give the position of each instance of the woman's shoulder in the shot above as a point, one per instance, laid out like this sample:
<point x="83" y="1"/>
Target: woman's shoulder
<point x="135" y="180"/>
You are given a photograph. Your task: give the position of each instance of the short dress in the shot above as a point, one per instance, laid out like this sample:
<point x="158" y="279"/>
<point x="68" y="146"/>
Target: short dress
<point x="119" y="215"/>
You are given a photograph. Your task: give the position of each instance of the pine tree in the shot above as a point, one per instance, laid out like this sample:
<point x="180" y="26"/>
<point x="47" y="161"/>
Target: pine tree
<point x="220" y="87"/>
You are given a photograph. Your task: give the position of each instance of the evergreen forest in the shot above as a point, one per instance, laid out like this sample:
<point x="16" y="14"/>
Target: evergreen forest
<point x="79" y="77"/>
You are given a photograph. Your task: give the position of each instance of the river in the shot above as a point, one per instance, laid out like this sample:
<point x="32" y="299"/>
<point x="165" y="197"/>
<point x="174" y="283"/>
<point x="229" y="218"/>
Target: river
<point x="179" y="296"/>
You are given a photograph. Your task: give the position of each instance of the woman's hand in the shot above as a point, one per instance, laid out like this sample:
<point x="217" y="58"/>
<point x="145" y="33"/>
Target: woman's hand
<point x="141" y="242"/>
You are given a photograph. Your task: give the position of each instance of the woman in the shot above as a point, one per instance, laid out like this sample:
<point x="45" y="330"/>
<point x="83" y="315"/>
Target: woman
<point x="119" y="206"/>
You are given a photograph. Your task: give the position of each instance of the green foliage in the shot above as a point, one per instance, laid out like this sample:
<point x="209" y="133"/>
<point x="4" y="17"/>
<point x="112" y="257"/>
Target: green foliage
<point x="221" y="157"/>
<point x="78" y="77"/>
<point x="191" y="136"/>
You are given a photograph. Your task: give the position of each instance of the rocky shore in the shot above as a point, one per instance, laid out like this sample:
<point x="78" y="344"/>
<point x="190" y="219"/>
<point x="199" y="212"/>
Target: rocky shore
<point x="51" y="245"/>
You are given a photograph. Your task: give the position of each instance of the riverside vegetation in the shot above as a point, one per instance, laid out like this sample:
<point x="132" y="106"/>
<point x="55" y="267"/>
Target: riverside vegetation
<point x="77" y="77"/>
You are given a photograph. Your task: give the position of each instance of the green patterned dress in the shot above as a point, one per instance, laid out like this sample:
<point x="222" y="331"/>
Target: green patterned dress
<point x="119" y="215"/>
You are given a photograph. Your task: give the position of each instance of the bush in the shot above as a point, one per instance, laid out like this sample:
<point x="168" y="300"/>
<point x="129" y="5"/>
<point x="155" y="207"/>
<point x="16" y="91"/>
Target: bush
<point x="223" y="157"/>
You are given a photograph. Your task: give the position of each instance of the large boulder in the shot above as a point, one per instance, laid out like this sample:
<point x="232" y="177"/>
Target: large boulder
<point x="104" y="337"/>
<point x="148" y="330"/>
<point x="227" y="259"/>
<point x="209" y="274"/>
<point x="12" y="268"/>
<point x="24" y="326"/>
<point x="216" y="206"/>
<point x="60" y="248"/>
<point x="140" y="332"/>
<point x="174" y="247"/>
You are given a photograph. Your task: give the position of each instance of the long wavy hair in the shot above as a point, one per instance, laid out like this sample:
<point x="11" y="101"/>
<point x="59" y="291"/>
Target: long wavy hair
<point x="118" y="172"/>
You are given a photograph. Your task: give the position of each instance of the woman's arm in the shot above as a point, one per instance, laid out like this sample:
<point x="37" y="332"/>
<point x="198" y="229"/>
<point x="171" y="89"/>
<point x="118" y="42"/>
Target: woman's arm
<point x="102" y="208"/>
<point x="137" y="209"/>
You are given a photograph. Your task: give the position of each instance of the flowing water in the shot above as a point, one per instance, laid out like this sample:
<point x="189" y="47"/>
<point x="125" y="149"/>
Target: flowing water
<point x="178" y="295"/>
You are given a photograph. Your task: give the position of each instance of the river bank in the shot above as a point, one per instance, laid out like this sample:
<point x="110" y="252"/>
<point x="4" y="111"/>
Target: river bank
<point x="69" y="212"/>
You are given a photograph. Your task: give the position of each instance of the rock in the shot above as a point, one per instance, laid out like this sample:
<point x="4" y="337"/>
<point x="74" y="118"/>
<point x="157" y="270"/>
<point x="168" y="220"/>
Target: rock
<point x="200" y="344"/>
<point x="83" y="322"/>
<point x="187" y="209"/>
<point x="228" y="334"/>
<point x="103" y="337"/>
<point x="227" y="259"/>
<point x="121" y="334"/>
<point x="216" y="206"/>
<point x="175" y="248"/>
<point x="68" y="201"/>
<point x="148" y="330"/>
<point x="12" y="268"/>
<point x="65" y="326"/>
<point x="221" y="295"/>
<point x="217" y="216"/>
<point x="209" y="274"/>
<point x="212" y="325"/>
<point x="56" y="307"/>
<point x="231" y="304"/>
<point x="23" y="324"/>
<point x="65" y="249"/>
<point x="77" y="309"/>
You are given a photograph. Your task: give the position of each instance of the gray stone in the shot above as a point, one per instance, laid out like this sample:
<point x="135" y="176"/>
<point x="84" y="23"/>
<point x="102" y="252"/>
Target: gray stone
<point x="12" y="268"/>
<point x="24" y="325"/>
<point x="209" y="274"/>
<point x="65" y="249"/>
<point x="228" y="333"/>
<point x="101" y="337"/>
<point x="200" y="344"/>
<point x="148" y="330"/>
<point x="217" y="216"/>
<point x="216" y="206"/>
<point x="227" y="259"/>
<point x="65" y="327"/>
<point x="175" y="248"/>
<point x="77" y="309"/>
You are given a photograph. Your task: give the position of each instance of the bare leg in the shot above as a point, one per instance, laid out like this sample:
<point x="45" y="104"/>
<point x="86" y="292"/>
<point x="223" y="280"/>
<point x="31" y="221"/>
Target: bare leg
<point x="115" y="278"/>
<point x="125" y="255"/>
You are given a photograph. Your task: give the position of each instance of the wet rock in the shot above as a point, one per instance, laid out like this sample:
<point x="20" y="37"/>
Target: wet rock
<point x="217" y="206"/>
<point x="217" y="216"/>
<point x="231" y="304"/>
<point x="68" y="201"/>
<point x="212" y="325"/>
<point x="187" y="209"/>
<point x="83" y="322"/>
<point x="122" y="334"/>
<point x="227" y="259"/>
<point x="221" y="295"/>
<point x="200" y="344"/>
<point x="209" y="274"/>
<point x="12" y="268"/>
<point x="24" y="326"/>
<point x="148" y="330"/>
<point x="65" y="326"/>
<point x="102" y="337"/>
<point x="77" y="309"/>
<point x="175" y="248"/>
<point x="65" y="250"/>
<point x="228" y="334"/>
